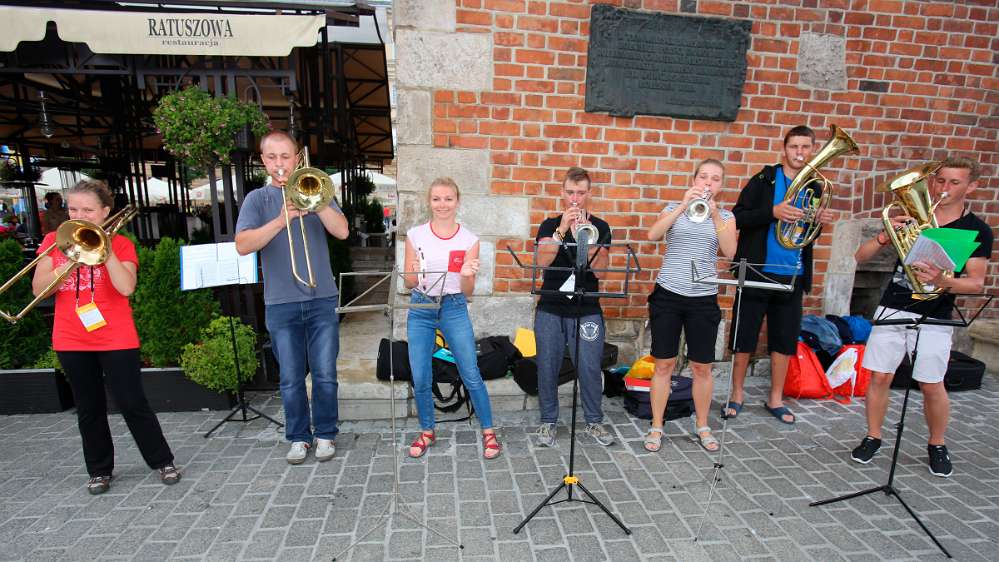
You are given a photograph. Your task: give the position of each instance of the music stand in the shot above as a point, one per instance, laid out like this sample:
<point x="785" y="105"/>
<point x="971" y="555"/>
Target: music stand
<point x="739" y="282"/>
<point x="580" y="269"/>
<point x="912" y="324"/>
<point x="394" y="504"/>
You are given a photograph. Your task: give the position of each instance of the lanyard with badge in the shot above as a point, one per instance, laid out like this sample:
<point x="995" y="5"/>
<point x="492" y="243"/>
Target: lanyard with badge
<point x="89" y="314"/>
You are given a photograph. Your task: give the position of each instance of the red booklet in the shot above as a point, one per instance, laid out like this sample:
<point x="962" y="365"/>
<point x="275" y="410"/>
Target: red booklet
<point x="455" y="260"/>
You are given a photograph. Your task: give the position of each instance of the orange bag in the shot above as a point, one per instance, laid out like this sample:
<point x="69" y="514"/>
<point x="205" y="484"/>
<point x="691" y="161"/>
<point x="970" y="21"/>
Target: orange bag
<point x="805" y="376"/>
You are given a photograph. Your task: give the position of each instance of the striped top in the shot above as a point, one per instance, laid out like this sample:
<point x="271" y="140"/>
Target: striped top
<point x="436" y="254"/>
<point x="686" y="241"/>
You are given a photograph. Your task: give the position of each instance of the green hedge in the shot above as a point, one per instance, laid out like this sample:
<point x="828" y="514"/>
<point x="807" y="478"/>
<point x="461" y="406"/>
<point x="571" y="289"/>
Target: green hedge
<point x="166" y="317"/>
<point x="21" y="344"/>
<point x="211" y="363"/>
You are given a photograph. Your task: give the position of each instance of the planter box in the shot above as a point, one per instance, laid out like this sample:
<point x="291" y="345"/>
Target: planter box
<point x="169" y="390"/>
<point x="34" y="391"/>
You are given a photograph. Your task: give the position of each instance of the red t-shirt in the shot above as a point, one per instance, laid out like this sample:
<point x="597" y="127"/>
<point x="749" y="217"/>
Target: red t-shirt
<point x="68" y="333"/>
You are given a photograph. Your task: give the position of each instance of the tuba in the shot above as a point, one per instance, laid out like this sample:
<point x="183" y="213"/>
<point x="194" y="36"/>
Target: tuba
<point x="805" y="196"/>
<point x="308" y="189"/>
<point x="912" y="197"/>
<point x="83" y="243"/>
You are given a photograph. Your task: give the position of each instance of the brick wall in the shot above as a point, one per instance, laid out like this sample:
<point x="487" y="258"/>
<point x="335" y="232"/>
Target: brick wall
<point x="921" y="81"/>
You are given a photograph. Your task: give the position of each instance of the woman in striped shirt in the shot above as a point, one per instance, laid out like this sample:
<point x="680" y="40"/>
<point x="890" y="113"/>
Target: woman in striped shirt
<point x="679" y="302"/>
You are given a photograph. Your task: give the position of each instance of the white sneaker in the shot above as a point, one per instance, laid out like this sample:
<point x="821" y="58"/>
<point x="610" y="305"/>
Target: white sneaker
<point x="599" y="433"/>
<point x="297" y="453"/>
<point x="325" y="449"/>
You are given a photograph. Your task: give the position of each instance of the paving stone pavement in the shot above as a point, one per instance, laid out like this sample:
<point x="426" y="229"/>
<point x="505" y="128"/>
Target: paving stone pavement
<point x="239" y="499"/>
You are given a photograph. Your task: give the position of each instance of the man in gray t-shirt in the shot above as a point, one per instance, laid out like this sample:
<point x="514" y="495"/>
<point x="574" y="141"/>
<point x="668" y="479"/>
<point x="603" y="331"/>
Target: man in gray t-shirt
<point x="301" y="320"/>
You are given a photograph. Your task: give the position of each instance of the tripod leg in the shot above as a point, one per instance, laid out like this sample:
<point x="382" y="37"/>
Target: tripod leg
<point x="626" y="530"/>
<point x="884" y="489"/>
<point x="538" y="508"/>
<point x="402" y="511"/>
<point x="920" y="523"/>
<point x="263" y="415"/>
<point x="225" y="419"/>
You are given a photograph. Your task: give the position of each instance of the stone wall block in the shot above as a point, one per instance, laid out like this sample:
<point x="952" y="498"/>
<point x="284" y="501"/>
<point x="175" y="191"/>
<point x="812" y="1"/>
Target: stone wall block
<point x="491" y="215"/>
<point x="822" y="61"/>
<point x="420" y="165"/>
<point x="413" y="122"/>
<point x="424" y="14"/>
<point x="455" y="61"/>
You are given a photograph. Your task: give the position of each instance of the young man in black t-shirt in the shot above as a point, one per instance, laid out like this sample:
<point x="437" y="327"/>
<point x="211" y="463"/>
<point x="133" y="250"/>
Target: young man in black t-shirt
<point x="887" y="345"/>
<point x="556" y="315"/>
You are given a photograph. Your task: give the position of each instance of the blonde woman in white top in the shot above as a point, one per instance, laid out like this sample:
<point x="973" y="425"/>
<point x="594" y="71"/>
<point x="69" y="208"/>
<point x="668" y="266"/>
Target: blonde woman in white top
<point x="443" y="245"/>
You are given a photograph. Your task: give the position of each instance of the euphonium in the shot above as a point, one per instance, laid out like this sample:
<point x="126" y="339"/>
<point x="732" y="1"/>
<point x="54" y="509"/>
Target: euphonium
<point x="698" y="209"/>
<point x="83" y="243"/>
<point x="308" y="189"/>
<point x="912" y="197"/>
<point x="803" y="195"/>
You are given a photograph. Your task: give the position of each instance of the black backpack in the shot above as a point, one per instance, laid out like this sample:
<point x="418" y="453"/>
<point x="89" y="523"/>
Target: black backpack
<point x="525" y="371"/>
<point x="496" y="356"/>
<point x="679" y="405"/>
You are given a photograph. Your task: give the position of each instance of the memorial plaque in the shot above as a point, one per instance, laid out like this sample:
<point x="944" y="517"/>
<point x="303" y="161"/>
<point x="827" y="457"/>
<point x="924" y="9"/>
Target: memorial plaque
<point x="660" y="64"/>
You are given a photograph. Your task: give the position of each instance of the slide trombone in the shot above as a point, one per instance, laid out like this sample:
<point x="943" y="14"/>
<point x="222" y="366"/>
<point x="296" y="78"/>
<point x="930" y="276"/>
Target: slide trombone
<point x="83" y="243"/>
<point x="308" y="189"/>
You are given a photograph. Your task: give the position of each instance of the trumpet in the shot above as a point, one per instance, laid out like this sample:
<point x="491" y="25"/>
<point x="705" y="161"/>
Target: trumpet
<point x="83" y="243"/>
<point x="308" y="189"/>
<point x="698" y="209"/>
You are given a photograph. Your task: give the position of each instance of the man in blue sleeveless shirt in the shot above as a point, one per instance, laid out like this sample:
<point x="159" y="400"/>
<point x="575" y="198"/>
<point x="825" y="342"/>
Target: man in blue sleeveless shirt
<point x="302" y="321"/>
<point x="759" y="208"/>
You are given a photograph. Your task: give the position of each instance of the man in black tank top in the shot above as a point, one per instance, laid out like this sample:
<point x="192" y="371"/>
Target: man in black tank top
<point x="887" y="345"/>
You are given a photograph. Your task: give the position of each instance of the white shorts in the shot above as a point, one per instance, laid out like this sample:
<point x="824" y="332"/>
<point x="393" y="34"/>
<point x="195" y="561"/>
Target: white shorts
<point x="888" y="345"/>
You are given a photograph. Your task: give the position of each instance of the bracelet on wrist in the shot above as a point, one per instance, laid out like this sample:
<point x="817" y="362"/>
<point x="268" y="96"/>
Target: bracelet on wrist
<point x="558" y="235"/>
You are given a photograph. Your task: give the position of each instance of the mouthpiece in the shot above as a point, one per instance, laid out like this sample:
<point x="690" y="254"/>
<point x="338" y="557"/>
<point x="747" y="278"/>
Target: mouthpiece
<point x="280" y="172"/>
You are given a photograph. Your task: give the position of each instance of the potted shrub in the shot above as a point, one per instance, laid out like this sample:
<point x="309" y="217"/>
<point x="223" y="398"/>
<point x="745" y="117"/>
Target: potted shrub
<point x="200" y="128"/>
<point x="211" y="362"/>
<point x="29" y="373"/>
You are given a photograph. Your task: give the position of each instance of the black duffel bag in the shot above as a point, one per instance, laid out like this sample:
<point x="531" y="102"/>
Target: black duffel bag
<point x="963" y="373"/>
<point x="525" y="370"/>
<point x="497" y="355"/>
<point x="400" y="361"/>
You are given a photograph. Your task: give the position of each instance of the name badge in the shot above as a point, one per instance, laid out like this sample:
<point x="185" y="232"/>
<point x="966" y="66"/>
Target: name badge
<point x="91" y="317"/>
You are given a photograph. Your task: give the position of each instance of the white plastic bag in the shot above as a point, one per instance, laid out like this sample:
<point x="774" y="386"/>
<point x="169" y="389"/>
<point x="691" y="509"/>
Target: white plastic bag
<point x="843" y="369"/>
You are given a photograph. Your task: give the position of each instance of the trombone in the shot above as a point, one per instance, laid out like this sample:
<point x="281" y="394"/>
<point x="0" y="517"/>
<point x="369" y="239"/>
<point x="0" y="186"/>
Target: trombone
<point x="83" y="243"/>
<point x="308" y="189"/>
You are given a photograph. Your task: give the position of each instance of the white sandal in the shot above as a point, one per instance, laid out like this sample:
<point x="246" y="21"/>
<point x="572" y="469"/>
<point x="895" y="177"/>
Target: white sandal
<point x="654" y="439"/>
<point x="708" y="442"/>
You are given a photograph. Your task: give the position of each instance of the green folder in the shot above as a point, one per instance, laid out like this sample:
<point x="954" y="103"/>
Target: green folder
<point x="956" y="242"/>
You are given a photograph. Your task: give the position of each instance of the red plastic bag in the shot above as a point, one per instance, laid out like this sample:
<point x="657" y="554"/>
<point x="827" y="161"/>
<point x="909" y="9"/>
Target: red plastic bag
<point x="805" y="376"/>
<point x="863" y="375"/>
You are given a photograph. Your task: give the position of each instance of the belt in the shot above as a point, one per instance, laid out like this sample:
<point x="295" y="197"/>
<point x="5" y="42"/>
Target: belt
<point x="437" y="299"/>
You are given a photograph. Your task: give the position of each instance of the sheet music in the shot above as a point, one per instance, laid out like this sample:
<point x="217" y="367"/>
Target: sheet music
<point x="929" y="251"/>
<point x="215" y="265"/>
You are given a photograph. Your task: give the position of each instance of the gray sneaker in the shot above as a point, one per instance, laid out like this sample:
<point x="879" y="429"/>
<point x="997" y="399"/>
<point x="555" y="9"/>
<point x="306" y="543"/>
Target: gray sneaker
<point x="325" y="449"/>
<point x="599" y="433"/>
<point x="297" y="453"/>
<point x="546" y="434"/>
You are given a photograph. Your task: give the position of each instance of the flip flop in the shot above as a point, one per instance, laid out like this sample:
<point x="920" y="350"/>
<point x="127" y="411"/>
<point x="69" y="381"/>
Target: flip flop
<point x="780" y="412"/>
<point x="737" y="406"/>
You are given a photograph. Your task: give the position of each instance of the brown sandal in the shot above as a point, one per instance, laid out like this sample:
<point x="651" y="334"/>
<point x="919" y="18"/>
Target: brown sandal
<point x="421" y="444"/>
<point x="490" y="446"/>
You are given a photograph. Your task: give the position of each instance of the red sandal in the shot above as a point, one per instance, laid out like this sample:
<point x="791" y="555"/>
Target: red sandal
<point x="490" y="446"/>
<point x="422" y="443"/>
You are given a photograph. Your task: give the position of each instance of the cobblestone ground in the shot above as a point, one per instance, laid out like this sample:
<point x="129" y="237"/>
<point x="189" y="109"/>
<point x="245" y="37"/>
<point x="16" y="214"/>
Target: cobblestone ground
<point x="240" y="500"/>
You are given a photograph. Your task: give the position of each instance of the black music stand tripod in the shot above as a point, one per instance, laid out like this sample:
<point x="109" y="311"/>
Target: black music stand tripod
<point x="394" y="505"/>
<point x="582" y="266"/>
<point x="739" y="282"/>
<point x="888" y="487"/>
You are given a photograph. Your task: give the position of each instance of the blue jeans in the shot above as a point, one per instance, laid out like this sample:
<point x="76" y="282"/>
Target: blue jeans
<point x="552" y="334"/>
<point x="452" y="320"/>
<point x="307" y="334"/>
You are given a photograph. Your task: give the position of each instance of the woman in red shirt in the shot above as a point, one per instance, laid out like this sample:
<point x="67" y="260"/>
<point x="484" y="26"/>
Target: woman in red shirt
<point x="95" y="338"/>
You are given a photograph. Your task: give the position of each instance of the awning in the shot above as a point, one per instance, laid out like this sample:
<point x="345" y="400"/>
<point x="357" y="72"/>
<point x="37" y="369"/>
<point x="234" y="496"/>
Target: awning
<point x="195" y="33"/>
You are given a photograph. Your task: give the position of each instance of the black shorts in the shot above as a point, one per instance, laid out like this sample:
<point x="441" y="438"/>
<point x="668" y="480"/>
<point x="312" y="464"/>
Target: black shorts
<point x="698" y="317"/>
<point x="783" y="313"/>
